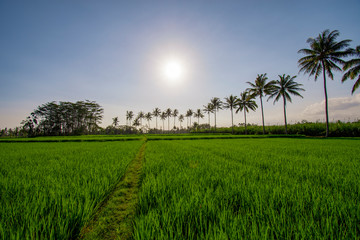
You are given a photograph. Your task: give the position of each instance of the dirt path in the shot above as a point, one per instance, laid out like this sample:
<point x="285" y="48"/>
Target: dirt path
<point x="115" y="217"/>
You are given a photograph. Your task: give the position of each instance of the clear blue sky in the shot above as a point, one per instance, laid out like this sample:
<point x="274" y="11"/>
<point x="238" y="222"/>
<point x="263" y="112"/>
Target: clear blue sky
<point x="111" y="52"/>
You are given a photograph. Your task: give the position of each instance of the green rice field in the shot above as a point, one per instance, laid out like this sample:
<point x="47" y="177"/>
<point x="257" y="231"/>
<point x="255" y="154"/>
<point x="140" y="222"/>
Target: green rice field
<point x="193" y="188"/>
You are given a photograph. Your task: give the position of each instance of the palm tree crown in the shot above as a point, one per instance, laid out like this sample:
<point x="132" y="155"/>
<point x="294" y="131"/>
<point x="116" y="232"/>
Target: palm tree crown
<point x="148" y="117"/>
<point x="129" y="116"/>
<point x="324" y="53"/>
<point x="261" y="88"/>
<point x="217" y="104"/>
<point x="156" y="114"/>
<point x="353" y="67"/>
<point x="246" y="102"/>
<point x="230" y="103"/>
<point x="283" y="88"/>
<point x="209" y="108"/>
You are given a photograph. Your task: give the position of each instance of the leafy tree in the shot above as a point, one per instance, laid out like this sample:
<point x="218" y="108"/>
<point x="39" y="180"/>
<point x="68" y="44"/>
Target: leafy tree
<point x="209" y="108"/>
<point x="283" y="88"/>
<point x="230" y="103"/>
<point x="261" y="88"/>
<point x="246" y="102"/>
<point x="353" y="67"/>
<point x="324" y="53"/>
<point x="181" y="119"/>
<point x="217" y="105"/>
<point x="148" y="117"/>
<point x="156" y="114"/>
<point x="189" y="114"/>
<point x="175" y="114"/>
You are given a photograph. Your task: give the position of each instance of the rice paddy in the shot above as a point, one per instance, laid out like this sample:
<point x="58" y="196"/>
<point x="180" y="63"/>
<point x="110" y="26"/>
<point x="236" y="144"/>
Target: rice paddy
<point x="240" y="188"/>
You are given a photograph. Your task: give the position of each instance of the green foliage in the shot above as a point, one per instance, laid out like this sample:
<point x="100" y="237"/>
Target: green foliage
<point x="338" y="129"/>
<point x="250" y="189"/>
<point x="49" y="190"/>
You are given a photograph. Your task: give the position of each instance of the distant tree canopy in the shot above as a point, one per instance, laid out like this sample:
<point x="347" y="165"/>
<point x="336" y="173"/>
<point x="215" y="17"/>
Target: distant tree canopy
<point x="64" y="118"/>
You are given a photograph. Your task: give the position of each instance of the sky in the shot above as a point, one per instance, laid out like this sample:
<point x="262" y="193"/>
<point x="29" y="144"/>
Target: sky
<point x="114" y="53"/>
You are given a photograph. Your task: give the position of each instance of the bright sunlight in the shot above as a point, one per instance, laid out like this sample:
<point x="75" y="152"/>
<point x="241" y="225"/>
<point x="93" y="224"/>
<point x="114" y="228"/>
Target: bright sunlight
<point x="173" y="71"/>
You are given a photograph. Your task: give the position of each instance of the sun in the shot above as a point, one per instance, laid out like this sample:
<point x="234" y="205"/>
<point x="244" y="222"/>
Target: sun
<point x="173" y="70"/>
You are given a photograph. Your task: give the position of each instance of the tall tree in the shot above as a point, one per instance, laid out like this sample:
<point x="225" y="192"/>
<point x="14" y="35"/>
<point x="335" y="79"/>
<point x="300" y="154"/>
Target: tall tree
<point x="163" y="116"/>
<point x="198" y="114"/>
<point x="168" y="115"/>
<point x="261" y="88"/>
<point x="129" y="117"/>
<point x="283" y="88"/>
<point x="148" y="117"/>
<point x="181" y="119"/>
<point x="209" y="108"/>
<point x="353" y="67"/>
<point x="175" y="114"/>
<point x="189" y="114"/>
<point x="156" y="114"/>
<point x="246" y="102"/>
<point x="141" y="116"/>
<point x="230" y="103"/>
<point x="115" y="121"/>
<point x="217" y="105"/>
<point x="324" y="53"/>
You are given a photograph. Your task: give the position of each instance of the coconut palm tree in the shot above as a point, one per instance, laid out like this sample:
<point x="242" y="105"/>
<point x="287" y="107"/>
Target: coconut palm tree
<point x="283" y="88"/>
<point x="261" y="88"/>
<point x="141" y="116"/>
<point x="163" y="116"/>
<point x="209" y="108"/>
<point x="217" y="105"/>
<point x="174" y="114"/>
<point x="168" y="115"/>
<point x="353" y="67"/>
<point x="129" y="116"/>
<point x="189" y="114"/>
<point x="324" y="53"/>
<point x="246" y="102"/>
<point x="198" y="114"/>
<point x="156" y="114"/>
<point x="148" y="117"/>
<point x="181" y="119"/>
<point x="115" y="121"/>
<point x="136" y="122"/>
<point x="230" y="103"/>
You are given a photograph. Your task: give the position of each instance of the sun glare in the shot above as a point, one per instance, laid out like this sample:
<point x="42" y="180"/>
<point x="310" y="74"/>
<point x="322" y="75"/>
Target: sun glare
<point x="173" y="70"/>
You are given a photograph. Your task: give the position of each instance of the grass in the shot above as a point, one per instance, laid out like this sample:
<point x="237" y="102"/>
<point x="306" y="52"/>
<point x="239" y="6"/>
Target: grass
<point x="114" y="218"/>
<point x="49" y="190"/>
<point x="250" y="189"/>
<point x="196" y="186"/>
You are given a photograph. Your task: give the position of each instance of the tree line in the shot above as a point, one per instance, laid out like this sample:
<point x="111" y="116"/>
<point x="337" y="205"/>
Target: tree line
<point x="324" y="56"/>
<point x="64" y="118"/>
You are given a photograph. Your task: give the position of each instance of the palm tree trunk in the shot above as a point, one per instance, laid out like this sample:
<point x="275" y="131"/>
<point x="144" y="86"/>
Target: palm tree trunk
<point x="326" y="103"/>
<point x="245" y="121"/>
<point x="232" y="122"/>
<point x="149" y="123"/>
<point x="168" y="123"/>
<point x="156" y="122"/>
<point x="262" y="114"/>
<point x="163" y="125"/>
<point x="174" y="122"/>
<point x="209" y="119"/>
<point x="215" y="119"/>
<point x="285" y="115"/>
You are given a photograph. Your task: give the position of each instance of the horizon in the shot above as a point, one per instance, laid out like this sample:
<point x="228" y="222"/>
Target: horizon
<point x="115" y="54"/>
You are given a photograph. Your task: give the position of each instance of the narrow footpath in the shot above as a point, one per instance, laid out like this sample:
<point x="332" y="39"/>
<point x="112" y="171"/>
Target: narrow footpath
<point x="114" y="218"/>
